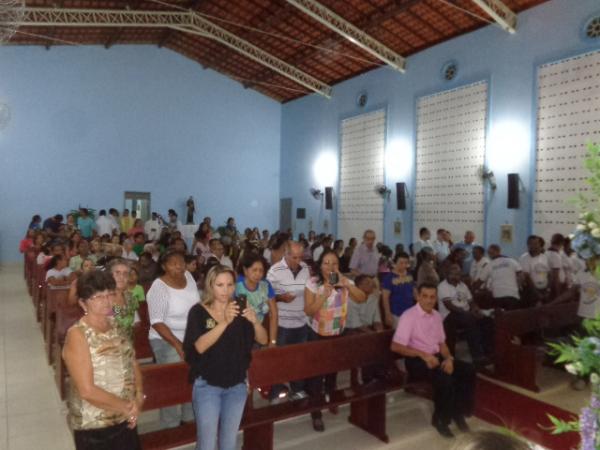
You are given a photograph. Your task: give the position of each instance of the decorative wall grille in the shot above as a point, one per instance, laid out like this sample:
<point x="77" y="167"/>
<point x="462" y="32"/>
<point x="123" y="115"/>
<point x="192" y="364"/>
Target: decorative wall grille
<point x="568" y="119"/>
<point x="451" y="127"/>
<point x="361" y="169"/>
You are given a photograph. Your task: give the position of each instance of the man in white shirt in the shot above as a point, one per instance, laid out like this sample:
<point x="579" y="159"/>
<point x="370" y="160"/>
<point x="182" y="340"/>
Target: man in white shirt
<point x="504" y="280"/>
<point x="572" y="263"/>
<point x="152" y="228"/>
<point x="113" y="215"/>
<point x="424" y="241"/>
<point x="288" y="278"/>
<point x="458" y="310"/>
<point x="555" y="261"/>
<point x="104" y="225"/>
<point x="536" y="272"/>
<point x="440" y="246"/>
<point x="480" y="269"/>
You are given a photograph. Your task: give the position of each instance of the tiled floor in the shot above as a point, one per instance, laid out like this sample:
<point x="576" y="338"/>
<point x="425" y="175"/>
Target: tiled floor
<point x="31" y="413"/>
<point x="33" y="417"/>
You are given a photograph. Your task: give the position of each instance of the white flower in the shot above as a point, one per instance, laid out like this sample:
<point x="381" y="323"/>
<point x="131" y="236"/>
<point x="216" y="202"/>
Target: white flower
<point x="580" y="227"/>
<point x="571" y="236"/>
<point x="592" y="225"/>
<point x="596" y="232"/>
<point x="571" y="369"/>
<point x="595" y="378"/>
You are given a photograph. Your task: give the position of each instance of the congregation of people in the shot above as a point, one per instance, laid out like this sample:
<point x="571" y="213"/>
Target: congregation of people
<point x="229" y="293"/>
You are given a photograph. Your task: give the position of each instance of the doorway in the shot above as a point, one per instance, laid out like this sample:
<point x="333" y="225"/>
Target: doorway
<point x="138" y="202"/>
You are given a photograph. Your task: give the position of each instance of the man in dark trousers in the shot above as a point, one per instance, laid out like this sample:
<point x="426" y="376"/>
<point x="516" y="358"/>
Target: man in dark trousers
<point x="421" y="340"/>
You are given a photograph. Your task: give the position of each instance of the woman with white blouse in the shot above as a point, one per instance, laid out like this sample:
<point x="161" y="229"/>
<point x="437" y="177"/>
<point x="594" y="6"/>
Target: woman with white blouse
<point x="170" y="298"/>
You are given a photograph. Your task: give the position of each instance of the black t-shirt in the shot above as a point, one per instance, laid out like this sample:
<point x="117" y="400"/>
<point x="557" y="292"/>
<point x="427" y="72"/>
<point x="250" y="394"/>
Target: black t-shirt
<point x="226" y="362"/>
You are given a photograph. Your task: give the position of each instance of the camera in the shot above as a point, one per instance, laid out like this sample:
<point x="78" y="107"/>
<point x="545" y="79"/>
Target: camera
<point x="334" y="278"/>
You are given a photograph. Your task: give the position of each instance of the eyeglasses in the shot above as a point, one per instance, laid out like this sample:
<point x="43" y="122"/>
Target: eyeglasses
<point x="107" y="296"/>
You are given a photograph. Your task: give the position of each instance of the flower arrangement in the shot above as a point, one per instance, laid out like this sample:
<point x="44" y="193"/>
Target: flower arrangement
<point x="581" y="354"/>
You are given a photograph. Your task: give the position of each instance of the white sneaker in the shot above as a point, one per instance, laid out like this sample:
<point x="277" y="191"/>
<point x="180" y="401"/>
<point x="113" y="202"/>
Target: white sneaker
<point x="300" y="395"/>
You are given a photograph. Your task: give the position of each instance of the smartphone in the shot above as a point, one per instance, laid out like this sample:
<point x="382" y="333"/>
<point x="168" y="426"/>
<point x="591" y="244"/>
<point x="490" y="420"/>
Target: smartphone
<point x="242" y="302"/>
<point x="334" y="278"/>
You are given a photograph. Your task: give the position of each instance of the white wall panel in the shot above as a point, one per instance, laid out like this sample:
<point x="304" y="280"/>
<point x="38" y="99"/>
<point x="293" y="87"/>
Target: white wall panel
<point x="451" y="129"/>
<point x="568" y="119"/>
<point x="361" y="169"/>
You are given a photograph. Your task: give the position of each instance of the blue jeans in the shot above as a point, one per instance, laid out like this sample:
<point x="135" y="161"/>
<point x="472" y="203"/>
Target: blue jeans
<point x="218" y="410"/>
<point x="172" y="416"/>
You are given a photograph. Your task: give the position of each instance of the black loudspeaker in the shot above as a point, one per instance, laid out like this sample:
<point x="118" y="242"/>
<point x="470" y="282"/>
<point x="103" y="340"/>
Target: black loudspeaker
<point x="300" y="213"/>
<point x="328" y="198"/>
<point x="513" y="191"/>
<point x="401" y="196"/>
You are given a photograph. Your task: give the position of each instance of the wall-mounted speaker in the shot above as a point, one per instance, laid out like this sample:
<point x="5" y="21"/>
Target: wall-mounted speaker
<point x="329" y="197"/>
<point x="401" y="196"/>
<point x="513" y="191"/>
<point x="300" y="213"/>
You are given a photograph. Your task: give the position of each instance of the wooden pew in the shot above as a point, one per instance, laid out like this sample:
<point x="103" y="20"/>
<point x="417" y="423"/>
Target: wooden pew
<point x="166" y="385"/>
<point x="143" y="351"/>
<point x="29" y="267"/>
<point x="516" y="362"/>
<point x="56" y="299"/>
<point x="37" y="288"/>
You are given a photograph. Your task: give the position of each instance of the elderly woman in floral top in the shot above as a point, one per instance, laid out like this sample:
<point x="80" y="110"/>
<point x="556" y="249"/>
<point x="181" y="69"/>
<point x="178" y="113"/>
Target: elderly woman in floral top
<point x="124" y="304"/>
<point x="326" y="304"/>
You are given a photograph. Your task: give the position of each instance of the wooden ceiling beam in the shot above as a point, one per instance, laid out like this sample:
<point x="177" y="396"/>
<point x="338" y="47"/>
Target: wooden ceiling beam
<point x="368" y="23"/>
<point x="116" y="35"/>
<point x="351" y="32"/>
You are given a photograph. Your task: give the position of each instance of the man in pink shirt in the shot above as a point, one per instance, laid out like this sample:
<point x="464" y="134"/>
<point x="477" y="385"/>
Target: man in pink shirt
<point x="421" y="340"/>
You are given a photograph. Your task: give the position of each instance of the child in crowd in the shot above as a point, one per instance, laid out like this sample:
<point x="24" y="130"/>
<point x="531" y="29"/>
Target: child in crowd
<point x="43" y="256"/>
<point x="59" y="276"/>
<point x="138" y="244"/>
<point x="135" y="289"/>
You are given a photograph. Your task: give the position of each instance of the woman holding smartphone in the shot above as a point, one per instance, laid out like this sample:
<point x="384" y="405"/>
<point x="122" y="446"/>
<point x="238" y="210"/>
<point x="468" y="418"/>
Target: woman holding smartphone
<point x="217" y="345"/>
<point x="326" y="303"/>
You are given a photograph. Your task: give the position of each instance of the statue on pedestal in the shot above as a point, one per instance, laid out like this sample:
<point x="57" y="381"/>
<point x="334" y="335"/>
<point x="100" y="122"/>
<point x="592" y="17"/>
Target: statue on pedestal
<point x="191" y="208"/>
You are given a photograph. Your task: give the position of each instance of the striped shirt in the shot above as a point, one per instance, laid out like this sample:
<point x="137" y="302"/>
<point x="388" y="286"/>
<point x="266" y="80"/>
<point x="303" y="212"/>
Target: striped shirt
<point x="291" y="315"/>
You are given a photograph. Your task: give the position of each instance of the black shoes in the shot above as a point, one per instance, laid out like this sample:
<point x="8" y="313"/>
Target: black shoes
<point x="441" y="427"/>
<point x="462" y="424"/>
<point x="318" y="425"/>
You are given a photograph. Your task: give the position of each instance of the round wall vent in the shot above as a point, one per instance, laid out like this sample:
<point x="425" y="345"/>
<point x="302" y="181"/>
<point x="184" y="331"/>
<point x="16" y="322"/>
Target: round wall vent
<point x="361" y="99"/>
<point x="449" y="70"/>
<point x="592" y="28"/>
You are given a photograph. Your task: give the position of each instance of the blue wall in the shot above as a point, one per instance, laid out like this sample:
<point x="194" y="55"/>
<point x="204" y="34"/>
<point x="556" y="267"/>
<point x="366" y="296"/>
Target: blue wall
<point x="89" y="123"/>
<point x="310" y="126"/>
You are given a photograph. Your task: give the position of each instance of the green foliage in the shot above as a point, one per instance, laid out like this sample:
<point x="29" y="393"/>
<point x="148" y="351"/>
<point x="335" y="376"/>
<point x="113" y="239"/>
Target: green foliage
<point x="561" y="426"/>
